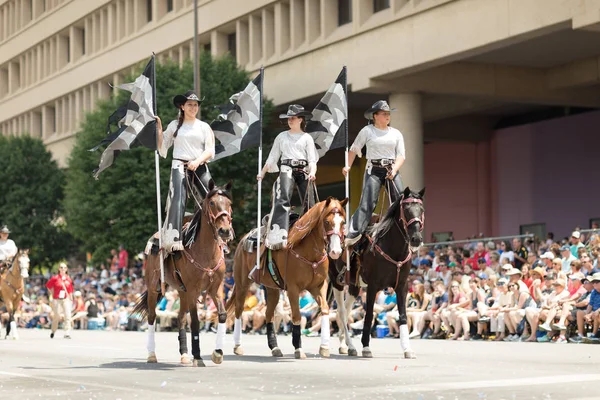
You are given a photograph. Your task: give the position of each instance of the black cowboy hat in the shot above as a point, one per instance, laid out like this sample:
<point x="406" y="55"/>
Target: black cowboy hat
<point x="296" y="110"/>
<point x="4" y="229"/>
<point x="180" y="99"/>
<point x="380" y="105"/>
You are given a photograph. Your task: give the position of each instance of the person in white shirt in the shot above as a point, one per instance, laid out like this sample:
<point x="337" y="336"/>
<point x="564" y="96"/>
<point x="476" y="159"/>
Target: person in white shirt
<point x="8" y="248"/>
<point x="193" y="144"/>
<point x="298" y="154"/>
<point x="385" y="155"/>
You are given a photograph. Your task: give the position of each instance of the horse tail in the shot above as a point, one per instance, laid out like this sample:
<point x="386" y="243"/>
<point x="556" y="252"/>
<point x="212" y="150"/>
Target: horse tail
<point x="230" y="304"/>
<point x="141" y="307"/>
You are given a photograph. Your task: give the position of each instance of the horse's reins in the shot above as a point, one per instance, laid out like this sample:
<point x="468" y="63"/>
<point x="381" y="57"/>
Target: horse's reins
<point x="10" y="285"/>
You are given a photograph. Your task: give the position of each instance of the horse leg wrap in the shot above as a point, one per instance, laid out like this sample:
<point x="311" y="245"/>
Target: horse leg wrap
<point x="151" y="345"/>
<point x="183" y="349"/>
<point x="196" y="345"/>
<point x="271" y="338"/>
<point x="325" y="333"/>
<point x="222" y="318"/>
<point x="221" y="331"/>
<point x="296" y="339"/>
<point x="404" y="337"/>
<point x="237" y="332"/>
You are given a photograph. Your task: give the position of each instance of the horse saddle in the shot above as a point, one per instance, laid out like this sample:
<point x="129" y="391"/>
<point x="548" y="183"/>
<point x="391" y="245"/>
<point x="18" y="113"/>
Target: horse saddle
<point x="267" y="264"/>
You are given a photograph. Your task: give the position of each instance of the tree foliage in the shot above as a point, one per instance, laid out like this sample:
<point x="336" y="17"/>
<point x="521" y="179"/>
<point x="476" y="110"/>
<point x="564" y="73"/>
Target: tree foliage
<point x="31" y="195"/>
<point x="120" y="207"/>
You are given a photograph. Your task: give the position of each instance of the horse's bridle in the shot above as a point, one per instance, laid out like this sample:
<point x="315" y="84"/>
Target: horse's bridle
<point x="420" y="220"/>
<point x="212" y="219"/>
<point x="327" y="238"/>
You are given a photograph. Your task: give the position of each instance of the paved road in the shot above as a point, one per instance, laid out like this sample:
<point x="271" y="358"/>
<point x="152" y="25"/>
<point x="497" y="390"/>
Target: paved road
<point x="111" y="365"/>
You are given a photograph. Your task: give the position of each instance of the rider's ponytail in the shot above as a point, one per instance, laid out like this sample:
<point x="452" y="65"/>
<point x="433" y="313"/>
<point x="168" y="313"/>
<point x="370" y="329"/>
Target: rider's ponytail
<point x="179" y="123"/>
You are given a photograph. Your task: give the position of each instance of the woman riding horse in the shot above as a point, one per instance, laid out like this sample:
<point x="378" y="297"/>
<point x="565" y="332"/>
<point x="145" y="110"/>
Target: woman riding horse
<point x="298" y="154"/>
<point x="385" y="156"/>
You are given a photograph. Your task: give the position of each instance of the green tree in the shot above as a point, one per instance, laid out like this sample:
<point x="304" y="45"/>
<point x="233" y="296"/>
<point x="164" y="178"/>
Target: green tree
<point x="31" y="195"/>
<point x="120" y="207"/>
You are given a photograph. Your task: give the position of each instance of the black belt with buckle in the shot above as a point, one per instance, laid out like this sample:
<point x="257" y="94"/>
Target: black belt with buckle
<point x="382" y="162"/>
<point x="295" y="163"/>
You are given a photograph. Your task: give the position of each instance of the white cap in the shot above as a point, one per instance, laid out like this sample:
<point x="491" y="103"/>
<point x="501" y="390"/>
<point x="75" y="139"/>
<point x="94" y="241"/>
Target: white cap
<point x="576" y="234"/>
<point x="548" y="255"/>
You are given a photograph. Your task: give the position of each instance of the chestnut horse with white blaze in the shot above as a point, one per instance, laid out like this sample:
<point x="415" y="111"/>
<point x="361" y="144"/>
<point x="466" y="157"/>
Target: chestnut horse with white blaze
<point x="302" y="265"/>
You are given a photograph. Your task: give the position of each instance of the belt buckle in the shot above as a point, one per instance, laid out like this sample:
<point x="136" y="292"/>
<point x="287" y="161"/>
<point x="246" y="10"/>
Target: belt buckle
<point x="386" y="162"/>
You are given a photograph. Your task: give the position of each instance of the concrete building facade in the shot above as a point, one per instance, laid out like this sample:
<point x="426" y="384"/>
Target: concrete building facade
<point x="454" y="69"/>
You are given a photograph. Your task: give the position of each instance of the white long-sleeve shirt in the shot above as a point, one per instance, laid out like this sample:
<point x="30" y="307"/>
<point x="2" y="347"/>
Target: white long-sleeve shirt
<point x="380" y="143"/>
<point x="191" y="141"/>
<point x="292" y="146"/>
<point x="8" y="249"/>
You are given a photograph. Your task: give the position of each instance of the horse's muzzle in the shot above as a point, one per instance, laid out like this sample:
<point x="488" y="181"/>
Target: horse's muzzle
<point x="225" y="234"/>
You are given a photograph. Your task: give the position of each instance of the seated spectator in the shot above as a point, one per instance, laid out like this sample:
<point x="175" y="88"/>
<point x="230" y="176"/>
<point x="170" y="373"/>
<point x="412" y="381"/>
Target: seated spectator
<point x="476" y="296"/>
<point x="515" y="313"/>
<point x="549" y="308"/>
<point x="579" y="310"/>
<point x="592" y="312"/>
<point x="457" y="300"/>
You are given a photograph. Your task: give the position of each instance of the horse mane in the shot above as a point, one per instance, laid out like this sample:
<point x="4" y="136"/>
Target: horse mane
<point x="220" y="190"/>
<point x="380" y="229"/>
<point x="305" y="224"/>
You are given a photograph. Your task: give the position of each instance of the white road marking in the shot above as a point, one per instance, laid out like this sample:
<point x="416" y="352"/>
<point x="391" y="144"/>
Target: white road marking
<point x="88" y="384"/>
<point x="542" y="380"/>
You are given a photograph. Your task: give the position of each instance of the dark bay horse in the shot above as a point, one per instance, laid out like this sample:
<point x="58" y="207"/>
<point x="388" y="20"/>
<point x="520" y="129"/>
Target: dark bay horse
<point x="303" y="265"/>
<point x="200" y="267"/>
<point x="12" y="287"/>
<point x="384" y="261"/>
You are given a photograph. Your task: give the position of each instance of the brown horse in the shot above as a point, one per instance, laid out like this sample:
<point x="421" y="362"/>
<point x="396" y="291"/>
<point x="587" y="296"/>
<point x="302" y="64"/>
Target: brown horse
<point x="303" y="265"/>
<point x="200" y="267"/>
<point x="11" y="289"/>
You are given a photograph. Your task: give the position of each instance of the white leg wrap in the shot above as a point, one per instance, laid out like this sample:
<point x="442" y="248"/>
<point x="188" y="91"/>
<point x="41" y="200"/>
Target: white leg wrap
<point x="13" y="330"/>
<point x="325" y="334"/>
<point x="151" y="345"/>
<point x="404" y="337"/>
<point x="221" y="330"/>
<point x="237" y="332"/>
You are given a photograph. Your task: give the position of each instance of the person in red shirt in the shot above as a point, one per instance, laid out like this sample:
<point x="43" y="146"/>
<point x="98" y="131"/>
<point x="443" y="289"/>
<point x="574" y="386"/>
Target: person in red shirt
<point x="123" y="259"/>
<point x="61" y="288"/>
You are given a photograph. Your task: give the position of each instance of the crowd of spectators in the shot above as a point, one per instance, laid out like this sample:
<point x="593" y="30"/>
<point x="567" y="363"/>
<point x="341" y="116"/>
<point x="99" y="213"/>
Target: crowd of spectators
<point x="544" y="291"/>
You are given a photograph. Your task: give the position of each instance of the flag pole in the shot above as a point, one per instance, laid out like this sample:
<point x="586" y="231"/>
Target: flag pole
<point x="157" y="173"/>
<point x="347" y="178"/>
<point x="258" y="206"/>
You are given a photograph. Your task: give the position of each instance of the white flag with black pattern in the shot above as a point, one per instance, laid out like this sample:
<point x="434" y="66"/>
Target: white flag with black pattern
<point x="239" y="124"/>
<point x="135" y="121"/>
<point x="330" y="117"/>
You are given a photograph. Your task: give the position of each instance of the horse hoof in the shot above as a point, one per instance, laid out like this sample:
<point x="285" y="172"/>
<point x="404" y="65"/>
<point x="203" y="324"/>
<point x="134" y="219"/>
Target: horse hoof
<point x="343" y="350"/>
<point x="199" y="363"/>
<point x="185" y="359"/>
<point x="276" y="352"/>
<point x="324" y="352"/>
<point x="352" y="353"/>
<point x="217" y="356"/>
<point x="299" y="354"/>
<point x="238" y="351"/>
<point x="410" y="354"/>
<point x="367" y="353"/>
<point x="152" y="358"/>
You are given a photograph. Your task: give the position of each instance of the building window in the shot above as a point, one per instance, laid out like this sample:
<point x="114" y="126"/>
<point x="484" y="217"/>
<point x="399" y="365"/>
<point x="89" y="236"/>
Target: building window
<point x="344" y="12"/>
<point x="83" y="41"/>
<point x="149" y="10"/>
<point x="169" y="5"/>
<point x="231" y="45"/>
<point x="207" y="47"/>
<point x="380" y="5"/>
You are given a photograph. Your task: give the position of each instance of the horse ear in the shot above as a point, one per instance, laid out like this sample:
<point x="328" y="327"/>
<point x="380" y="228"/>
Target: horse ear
<point x="344" y="202"/>
<point x="228" y="186"/>
<point x="211" y="185"/>
<point x="406" y="192"/>
<point x="328" y="201"/>
<point x="422" y="193"/>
